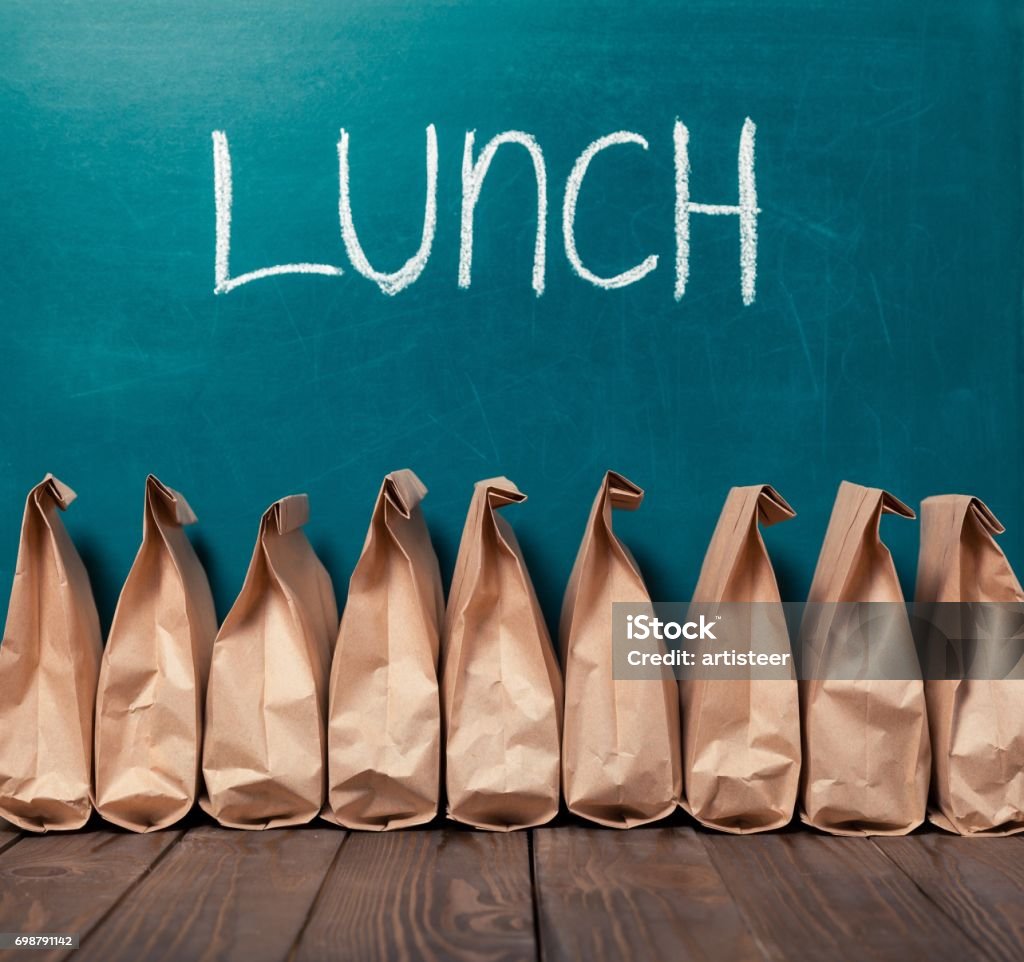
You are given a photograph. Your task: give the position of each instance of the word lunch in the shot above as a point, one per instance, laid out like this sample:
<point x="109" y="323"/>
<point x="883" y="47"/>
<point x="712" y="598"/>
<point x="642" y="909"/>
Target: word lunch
<point x="474" y="172"/>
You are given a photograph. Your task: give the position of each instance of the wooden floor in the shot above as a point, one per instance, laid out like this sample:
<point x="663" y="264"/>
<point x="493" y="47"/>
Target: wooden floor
<point x="670" y="892"/>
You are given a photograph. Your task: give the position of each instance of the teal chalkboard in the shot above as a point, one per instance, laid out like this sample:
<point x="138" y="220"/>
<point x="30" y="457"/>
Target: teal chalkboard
<point x="884" y="344"/>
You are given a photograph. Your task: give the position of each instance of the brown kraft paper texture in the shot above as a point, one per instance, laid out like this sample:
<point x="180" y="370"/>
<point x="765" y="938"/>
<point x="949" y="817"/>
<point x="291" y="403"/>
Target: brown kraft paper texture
<point x="977" y="723"/>
<point x="866" y="751"/>
<point x="741" y="737"/>
<point x="152" y="682"/>
<point x="264" y="749"/>
<point x="501" y="689"/>
<point x="620" y="751"/>
<point x="49" y="661"/>
<point x="384" y="720"/>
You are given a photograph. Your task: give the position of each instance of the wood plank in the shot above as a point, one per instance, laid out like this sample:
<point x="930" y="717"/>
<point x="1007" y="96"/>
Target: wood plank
<point x="647" y="893"/>
<point x="9" y="834"/>
<point x="978" y="882"/>
<point x="67" y="882"/>
<point x="221" y="895"/>
<point x="812" y="896"/>
<point x="425" y="894"/>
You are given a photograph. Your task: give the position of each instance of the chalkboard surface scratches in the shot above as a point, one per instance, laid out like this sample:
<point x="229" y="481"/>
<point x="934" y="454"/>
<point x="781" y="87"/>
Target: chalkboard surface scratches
<point x="649" y="893"/>
<point x="430" y="894"/>
<point x="222" y="895"/>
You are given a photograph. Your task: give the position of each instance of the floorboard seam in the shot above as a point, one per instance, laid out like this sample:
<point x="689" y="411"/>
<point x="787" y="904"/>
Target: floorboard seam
<point x="762" y="946"/>
<point x="913" y="881"/>
<point x="11" y="842"/>
<point x="131" y="888"/>
<point x="293" y="951"/>
<point x="534" y="895"/>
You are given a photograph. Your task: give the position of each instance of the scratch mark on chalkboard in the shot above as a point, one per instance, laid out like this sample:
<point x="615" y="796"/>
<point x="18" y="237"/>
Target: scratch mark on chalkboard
<point x="483" y="414"/>
<point x="892" y="117"/>
<point x="303" y="341"/>
<point x="143" y="354"/>
<point x="791" y="217"/>
<point x="824" y="359"/>
<point x="712" y="380"/>
<point x="448" y="429"/>
<point x="115" y="386"/>
<point x="796" y="133"/>
<point x="868" y="173"/>
<point x="881" y="311"/>
<point x="795" y="315"/>
<point x="898" y="115"/>
<point x="128" y="209"/>
<point x="879" y="440"/>
<point x="652" y="447"/>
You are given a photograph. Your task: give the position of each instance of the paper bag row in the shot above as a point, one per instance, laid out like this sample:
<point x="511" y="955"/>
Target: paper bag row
<point x="281" y="715"/>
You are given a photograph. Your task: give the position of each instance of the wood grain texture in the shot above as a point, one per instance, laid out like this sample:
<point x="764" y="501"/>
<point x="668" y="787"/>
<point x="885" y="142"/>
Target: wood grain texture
<point x="303" y="895"/>
<point x="978" y="882"/>
<point x="648" y="893"/>
<point x="809" y="896"/>
<point x="221" y="895"/>
<point x="67" y="883"/>
<point x="9" y="834"/>
<point x="425" y="894"/>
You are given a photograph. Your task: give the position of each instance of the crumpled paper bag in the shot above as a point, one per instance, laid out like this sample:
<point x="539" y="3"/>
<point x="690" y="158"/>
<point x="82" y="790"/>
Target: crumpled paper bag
<point x="152" y="680"/>
<point x="866" y="750"/>
<point x="977" y="723"/>
<point x="264" y="749"/>
<point x="620" y="751"/>
<point x="384" y="721"/>
<point x="49" y="661"/>
<point x="501" y="690"/>
<point x="741" y="737"/>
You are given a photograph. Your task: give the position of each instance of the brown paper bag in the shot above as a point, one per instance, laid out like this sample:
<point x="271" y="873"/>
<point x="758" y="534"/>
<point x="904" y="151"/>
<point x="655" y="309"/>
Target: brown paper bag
<point x="977" y="723"/>
<point x="620" y="751"/>
<point x="741" y="737"/>
<point x="153" y="675"/>
<point x="264" y="749"/>
<point x="384" y="722"/>
<point x="866" y="750"/>
<point x="501" y="690"/>
<point x="49" y="661"/>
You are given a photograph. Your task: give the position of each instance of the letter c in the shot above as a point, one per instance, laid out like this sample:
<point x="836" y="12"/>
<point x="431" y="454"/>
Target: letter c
<point x="572" y="193"/>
